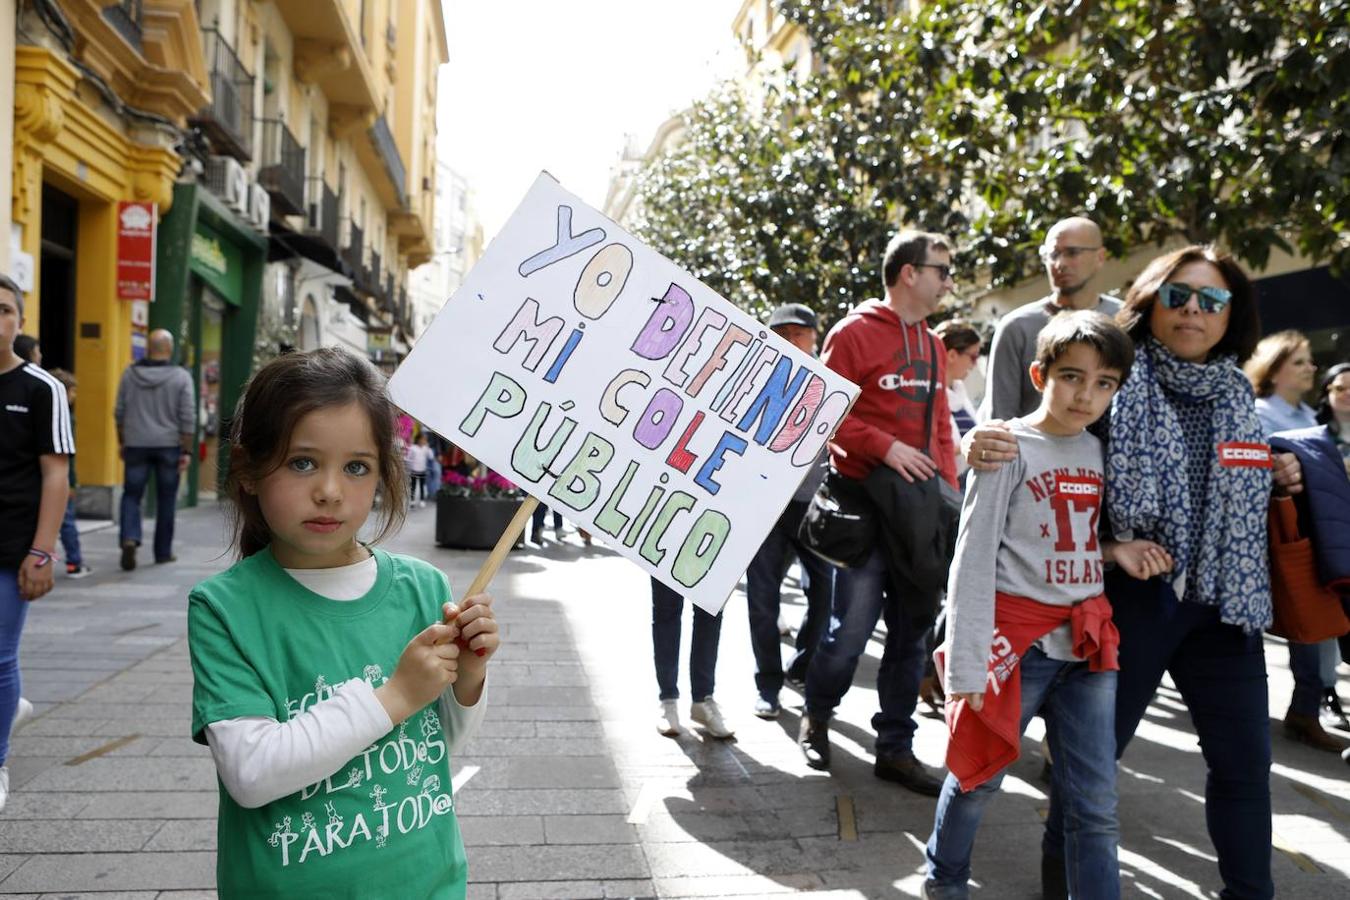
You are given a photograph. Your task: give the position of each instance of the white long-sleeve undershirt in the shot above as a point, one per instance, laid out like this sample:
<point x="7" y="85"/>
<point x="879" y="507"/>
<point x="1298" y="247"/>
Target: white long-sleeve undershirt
<point x="260" y="759"/>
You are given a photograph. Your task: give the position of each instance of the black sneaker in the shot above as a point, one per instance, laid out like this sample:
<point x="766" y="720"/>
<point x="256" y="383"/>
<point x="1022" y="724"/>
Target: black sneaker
<point x="814" y="739"/>
<point x="128" y="555"/>
<point x="908" y="772"/>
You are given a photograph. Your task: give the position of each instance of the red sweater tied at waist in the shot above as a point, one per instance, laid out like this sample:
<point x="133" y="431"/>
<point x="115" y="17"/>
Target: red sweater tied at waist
<point x="982" y="743"/>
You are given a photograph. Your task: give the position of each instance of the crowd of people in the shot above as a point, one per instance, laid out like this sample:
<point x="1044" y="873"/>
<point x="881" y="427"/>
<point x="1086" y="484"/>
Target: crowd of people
<point x="1097" y="523"/>
<point x="1113" y="529"/>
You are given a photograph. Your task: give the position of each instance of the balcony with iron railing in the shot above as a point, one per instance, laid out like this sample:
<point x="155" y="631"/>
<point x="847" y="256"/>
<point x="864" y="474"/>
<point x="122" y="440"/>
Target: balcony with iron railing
<point x="128" y="18"/>
<point x="321" y="214"/>
<point x="382" y="139"/>
<point x="282" y="170"/>
<point x="228" y="120"/>
<point x="354" y="253"/>
<point x="373" y="274"/>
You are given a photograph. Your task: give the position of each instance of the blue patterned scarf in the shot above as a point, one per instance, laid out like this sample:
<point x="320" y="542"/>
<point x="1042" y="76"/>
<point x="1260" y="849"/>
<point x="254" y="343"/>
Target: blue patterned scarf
<point x="1147" y="489"/>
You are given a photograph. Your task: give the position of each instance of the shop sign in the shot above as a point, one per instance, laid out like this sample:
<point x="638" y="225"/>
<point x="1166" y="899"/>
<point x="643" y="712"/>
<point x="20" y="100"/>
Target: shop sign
<point x="218" y="262"/>
<point x="136" y="226"/>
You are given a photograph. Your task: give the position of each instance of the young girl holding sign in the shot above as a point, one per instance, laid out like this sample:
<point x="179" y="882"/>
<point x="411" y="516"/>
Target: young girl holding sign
<point x="330" y="679"/>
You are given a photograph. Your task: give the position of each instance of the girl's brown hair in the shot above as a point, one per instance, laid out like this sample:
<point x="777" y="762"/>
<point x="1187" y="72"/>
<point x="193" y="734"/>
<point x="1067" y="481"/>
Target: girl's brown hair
<point x="1244" y="326"/>
<point x="277" y="397"/>
<point x="1271" y="354"/>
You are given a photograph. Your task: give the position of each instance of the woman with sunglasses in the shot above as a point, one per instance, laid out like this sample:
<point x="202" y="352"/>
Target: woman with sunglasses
<point x="1188" y="467"/>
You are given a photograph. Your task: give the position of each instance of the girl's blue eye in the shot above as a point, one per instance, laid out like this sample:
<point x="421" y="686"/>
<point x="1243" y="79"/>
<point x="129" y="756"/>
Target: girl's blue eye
<point x="301" y="464"/>
<point x="357" y="467"/>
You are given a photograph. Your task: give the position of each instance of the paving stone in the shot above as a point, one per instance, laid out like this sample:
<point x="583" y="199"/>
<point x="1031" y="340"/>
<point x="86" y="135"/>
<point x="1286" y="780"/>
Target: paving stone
<point x="547" y="801"/>
<point x="612" y="829"/>
<point x="575" y="771"/>
<point x="483" y="831"/>
<point x="745" y="886"/>
<point x="550" y="890"/>
<point x="552" y="746"/>
<point x="47" y="805"/>
<point x="8" y="863"/>
<point x="184" y="834"/>
<point x="39" y="836"/>
<point x="133" y="774"/>
<point x="630" y="889"/>
<point x="535" y="695"/>
<point x="103" y="895"/>
<point x="481" y="892"/>
<point x="151" y="805"/>
<point x="70" y="872"/>
<point x="567" y="863"/>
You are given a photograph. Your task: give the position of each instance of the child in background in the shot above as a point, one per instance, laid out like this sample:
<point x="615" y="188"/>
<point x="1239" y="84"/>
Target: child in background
<point x="418" y="458"/>
<point x="1029" y="629"/>
<point x="70" y="534"/>
<point x="332" y="680"/>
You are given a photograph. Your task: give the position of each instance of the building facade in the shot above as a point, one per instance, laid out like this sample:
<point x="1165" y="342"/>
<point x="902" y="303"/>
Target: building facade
<point x="287" y="148"/>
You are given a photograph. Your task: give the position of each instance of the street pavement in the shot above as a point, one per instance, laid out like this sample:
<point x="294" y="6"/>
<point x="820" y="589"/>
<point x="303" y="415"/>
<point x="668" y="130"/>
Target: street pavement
<point x="568" y="791"/>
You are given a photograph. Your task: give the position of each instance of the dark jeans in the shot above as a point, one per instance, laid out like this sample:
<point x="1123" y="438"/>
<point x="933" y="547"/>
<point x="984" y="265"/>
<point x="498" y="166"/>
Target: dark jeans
<point x="861" y="597"/>
<point x="764" y="593"/>
<point x="1221" y="673"/>
<point x="139" y="462"/>
<point x="70" y="534"/>
<point x="417" y="486"/>
<point x="13" y="612"/>
<point x="1308" y="665"/>
<point x="667" y="607"/>
<point x="537" y="519"/>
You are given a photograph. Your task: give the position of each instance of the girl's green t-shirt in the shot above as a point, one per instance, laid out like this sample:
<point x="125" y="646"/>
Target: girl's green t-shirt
<point x="382" y="825"/>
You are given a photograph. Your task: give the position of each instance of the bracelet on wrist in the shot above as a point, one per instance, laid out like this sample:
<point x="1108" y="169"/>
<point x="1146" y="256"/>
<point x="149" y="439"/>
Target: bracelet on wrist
<point x="43" y="556"/>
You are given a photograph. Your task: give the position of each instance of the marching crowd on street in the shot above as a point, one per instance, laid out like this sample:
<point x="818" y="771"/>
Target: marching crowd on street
<point x="1102" y="519"/>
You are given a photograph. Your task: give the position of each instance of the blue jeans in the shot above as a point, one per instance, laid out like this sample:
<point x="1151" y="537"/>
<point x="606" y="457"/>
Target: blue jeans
<point x="1221" y="673"/>
<point x="862" y="596"/>
<point x="1080" y="707"/>
<point x="667" y="608"/>
<point x="13" y="611"/>
<point x="70" y="535"/>
<point x="764" y="595"/>
<point x="139" y="462"/>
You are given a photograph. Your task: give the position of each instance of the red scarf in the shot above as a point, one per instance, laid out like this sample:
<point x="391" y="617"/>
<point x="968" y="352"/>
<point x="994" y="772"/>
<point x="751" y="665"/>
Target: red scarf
<point x="981" y="744"/>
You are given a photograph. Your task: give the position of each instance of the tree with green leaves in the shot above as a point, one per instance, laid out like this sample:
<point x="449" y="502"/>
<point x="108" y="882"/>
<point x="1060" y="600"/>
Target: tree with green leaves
<point x="1209" y="121"/>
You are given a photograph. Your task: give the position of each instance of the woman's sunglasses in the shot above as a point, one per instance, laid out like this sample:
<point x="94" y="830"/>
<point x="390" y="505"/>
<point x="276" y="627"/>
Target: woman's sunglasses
<point x="1175" y="295"/>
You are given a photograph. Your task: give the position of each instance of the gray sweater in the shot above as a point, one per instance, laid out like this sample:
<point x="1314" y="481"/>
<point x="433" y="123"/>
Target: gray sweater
<point x="1008" y="389"/>
<point x="155" y="404"/>
<point x="1028" y="528"/>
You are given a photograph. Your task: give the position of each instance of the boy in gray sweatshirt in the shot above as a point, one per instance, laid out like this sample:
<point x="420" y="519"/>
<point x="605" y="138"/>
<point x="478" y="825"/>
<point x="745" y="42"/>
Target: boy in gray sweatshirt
<point x="1028" y="627"/>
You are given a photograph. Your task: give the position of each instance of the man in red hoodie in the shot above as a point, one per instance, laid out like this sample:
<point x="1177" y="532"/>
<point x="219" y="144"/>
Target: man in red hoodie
<point x="886" y="348"/>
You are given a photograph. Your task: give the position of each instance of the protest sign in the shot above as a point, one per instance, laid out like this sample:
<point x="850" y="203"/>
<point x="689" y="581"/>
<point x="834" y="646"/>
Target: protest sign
<point x="623" y="392"/>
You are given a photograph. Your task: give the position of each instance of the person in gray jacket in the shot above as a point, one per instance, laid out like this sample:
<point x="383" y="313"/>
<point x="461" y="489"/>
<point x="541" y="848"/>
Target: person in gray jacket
<point x="156" y="419"/>
<point x="1073" y="255"/>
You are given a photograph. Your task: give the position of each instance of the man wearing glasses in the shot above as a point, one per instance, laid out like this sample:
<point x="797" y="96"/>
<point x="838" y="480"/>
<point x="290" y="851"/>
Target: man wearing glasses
<point x="1073" y="255"/>
<point x="900" y="421"/>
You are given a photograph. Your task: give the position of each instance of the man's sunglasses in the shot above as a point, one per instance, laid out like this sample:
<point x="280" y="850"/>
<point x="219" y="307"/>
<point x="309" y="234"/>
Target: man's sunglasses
<point x="1175" y="295"/>
<point x="944" y="271"/>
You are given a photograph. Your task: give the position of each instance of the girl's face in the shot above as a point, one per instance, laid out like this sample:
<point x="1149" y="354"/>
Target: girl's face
<point x="960" y="362"/>
<point x="1296" y="375"/>
<point x="1338" y="394"/>
<point x="1190" y="332"/>
<point x="316" y="501"/>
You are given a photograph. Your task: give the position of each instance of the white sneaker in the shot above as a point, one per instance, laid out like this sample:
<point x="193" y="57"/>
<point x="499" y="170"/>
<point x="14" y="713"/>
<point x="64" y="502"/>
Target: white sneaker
<point x="710" y="717"/>
<point x="4" y="786"/>
<point x="21" y="715"/>
<point x="783" y="627"/>
<point x="668" y="722"/>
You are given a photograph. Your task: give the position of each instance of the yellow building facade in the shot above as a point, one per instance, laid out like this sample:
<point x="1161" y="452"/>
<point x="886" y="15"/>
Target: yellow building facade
<point x="86" y="111"/>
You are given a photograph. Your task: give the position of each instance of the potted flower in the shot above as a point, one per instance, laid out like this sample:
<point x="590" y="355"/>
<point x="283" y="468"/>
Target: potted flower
<point x="473" y="510"/>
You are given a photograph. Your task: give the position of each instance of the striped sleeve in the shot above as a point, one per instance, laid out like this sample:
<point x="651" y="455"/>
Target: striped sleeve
<point x="49" y="405"/>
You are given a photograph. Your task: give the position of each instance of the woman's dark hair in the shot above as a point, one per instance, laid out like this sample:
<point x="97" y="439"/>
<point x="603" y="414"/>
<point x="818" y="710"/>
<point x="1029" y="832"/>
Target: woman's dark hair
<point x="277" y="397"/>
<point x="957" y="335"/>
<point x="1269" y="357"/>
<point x="1244" y="327"/>
<point x="1325" y="414"/>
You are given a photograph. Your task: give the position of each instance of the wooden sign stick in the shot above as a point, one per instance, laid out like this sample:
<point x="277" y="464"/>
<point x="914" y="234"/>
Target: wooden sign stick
<point x="504" y="545"/>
